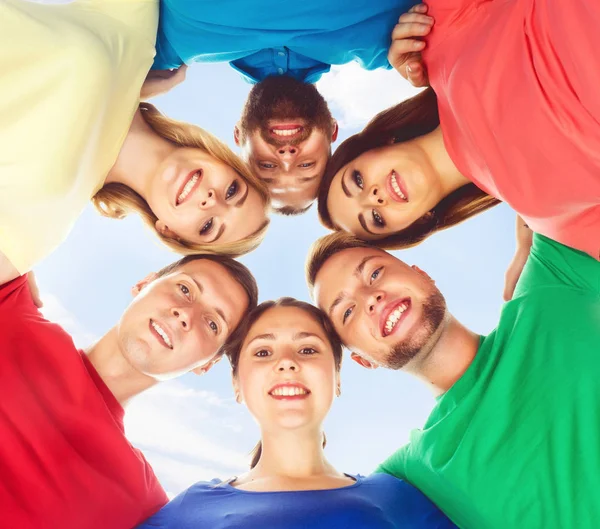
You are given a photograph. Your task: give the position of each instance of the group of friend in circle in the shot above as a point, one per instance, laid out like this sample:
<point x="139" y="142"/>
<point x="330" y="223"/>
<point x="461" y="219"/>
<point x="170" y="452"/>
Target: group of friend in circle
<point x="509" y="113"/>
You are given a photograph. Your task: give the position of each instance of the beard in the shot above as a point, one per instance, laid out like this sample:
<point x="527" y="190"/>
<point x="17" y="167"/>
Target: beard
<point x="423" y="340"/>
<point x="284" y="98"/>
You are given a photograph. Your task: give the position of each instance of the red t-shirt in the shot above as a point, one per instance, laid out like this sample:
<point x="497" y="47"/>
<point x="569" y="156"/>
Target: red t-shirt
<point x="517" y="84"/>
<point x="64" y="460"/>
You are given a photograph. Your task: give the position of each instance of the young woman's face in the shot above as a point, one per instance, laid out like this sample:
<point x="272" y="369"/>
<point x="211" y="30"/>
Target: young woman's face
<point x="199" y="199"/>
<point x="383" y="191"/>
<point x="286" y="372"/>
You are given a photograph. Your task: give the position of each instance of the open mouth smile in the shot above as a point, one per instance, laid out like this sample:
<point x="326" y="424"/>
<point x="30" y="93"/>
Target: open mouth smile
<point x="396" y="187"/>
<point x="189" y="186"/>
<point x="286" y="131"/>
<point x="289" y="391"/>
<point x="161" y="334"/>
<point x="393" y="315"/>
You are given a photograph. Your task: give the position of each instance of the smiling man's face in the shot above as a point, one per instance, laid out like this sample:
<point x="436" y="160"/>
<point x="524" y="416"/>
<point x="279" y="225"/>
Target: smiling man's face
<point x="384" y="310"/>
<point x="285" y="133"/>
<point x="179" y="322"/>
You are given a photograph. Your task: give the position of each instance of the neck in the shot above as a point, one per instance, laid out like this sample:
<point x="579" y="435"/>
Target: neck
<point x="118" y="374"/>
<point x="141" y="153"/>
<point x="448" y="358"/>
<point x="292" y="454"/>
<point x="435" y="150"/>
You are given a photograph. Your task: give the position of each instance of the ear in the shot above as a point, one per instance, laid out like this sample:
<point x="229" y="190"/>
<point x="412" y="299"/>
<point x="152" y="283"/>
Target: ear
<point x="236" y="134"/>
<point x="164" y="230"/>
<point x="135" y="290"/>
<point x="419" y="271"/>
<point x="336" y="129"/>
<point x="206" y="367"/>
<point x="363" y="361"/>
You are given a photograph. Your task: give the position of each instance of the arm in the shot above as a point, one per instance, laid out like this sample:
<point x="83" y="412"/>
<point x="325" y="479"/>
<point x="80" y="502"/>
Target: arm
<point x="524" y="240"/>
<point x="159" y="82"/>
<point x="405" y="50"/>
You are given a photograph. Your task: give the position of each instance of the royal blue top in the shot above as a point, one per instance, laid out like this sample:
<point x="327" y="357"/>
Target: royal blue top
<point x="260" y="38"/>
<point x="379" y="501"/>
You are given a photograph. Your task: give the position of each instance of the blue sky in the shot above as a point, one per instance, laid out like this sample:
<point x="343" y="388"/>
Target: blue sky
<point x="191" y="429"/>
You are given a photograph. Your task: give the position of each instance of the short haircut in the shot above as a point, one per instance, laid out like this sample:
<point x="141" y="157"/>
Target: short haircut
<point x="291" y="211"/>
<point x="326" y="247"/>
<point x="238" y="271"/>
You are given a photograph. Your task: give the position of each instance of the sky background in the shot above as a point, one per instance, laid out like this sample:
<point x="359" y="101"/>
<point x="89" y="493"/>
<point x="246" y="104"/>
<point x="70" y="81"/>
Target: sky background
<point x="191" y="429"/>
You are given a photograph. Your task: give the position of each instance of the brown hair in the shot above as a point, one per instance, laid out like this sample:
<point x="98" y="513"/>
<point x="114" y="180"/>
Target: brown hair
<point x="117" y="200"/>
<point x="324" y="248"/>
<point x="237" y="270"/>
<point x="410" y="119"/>
<point x="235" y="348"/>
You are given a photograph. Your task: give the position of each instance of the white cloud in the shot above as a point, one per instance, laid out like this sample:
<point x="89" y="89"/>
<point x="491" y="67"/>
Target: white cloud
<point x="54" y="311"/>
<point x="355" y="95"/>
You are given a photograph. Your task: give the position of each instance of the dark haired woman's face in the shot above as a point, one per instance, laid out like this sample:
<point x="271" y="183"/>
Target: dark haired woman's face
<point x="286" y="371"/>
<point x="383" y="191"/>
<point x="202" y="200"/>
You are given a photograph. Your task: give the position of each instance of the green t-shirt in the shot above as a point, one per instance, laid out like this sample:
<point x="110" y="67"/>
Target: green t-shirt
<point x="515" y="442"/>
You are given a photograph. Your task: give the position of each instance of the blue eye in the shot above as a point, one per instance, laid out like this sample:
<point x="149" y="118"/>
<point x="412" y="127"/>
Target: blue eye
<point x="266" y="165"/>
<point x="206" y="228"/>
<point x="232" y="190"/>
<point x="375" y="274"/>
<point x="347" y="314"/>
<point x="378" y="219"/>
<point x="357" y="178"/>
<point x="307" y="164"/>
<point x="213" y="326"/>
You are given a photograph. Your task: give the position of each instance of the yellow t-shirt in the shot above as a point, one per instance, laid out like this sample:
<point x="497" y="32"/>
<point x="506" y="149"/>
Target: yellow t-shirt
<point x="70" y="83"/>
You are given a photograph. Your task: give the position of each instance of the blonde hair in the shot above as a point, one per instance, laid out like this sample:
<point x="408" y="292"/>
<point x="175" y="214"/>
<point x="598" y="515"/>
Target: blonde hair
<point x="117" y="200"/>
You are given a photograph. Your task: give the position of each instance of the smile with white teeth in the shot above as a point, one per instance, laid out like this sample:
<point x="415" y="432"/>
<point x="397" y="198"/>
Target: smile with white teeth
<point x="286" y="132"/>
<point x="396" y="186"/>
<point x="162" y="333"/>
<point x="288" y="391"/>
<point x="188" y="187"/>
<point x="394" y="317"/>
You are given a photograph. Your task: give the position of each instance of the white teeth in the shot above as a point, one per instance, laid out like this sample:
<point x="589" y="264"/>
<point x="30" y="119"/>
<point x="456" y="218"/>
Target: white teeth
<point x="394" y="317"/>
<point x="162" y="333"/>
<point x="288" y="391"/>
<point x="396" y="187"/>
<point x="188" y="187"/>
<point x="287" y="132"/>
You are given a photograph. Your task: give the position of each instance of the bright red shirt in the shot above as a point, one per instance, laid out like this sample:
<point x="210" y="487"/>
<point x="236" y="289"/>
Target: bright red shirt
<point x="64" y="460"/>
<point x="517" y="84"/>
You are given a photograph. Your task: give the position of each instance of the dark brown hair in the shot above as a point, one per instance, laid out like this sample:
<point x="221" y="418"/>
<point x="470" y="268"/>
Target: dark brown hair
<point x="238" y="271"/>
<point x="410" y="119"/>
<point x="235" y="346"/>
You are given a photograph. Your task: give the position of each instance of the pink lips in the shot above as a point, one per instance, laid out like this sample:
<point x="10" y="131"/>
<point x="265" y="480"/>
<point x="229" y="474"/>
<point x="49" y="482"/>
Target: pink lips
<point x="392" y="192"/>
<point x="183" y="184"/>
<point x="158" y="336"/>
<point x="385" y="313"/>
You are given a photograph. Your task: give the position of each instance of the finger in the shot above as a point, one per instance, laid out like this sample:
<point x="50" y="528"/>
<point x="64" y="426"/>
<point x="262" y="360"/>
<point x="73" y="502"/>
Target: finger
<point x="407" y="18"/>
<point x="409" y="30"/>
<point x="400" y="48"/>
<point x="416" y="75"/>
<point x="419" y="8"/>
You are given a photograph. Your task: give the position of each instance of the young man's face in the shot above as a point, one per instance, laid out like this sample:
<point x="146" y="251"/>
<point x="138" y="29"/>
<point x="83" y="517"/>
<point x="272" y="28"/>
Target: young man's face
<point x="384" y="310"/>
<point x="178" y="322"/>
<point x="285" y="133"/>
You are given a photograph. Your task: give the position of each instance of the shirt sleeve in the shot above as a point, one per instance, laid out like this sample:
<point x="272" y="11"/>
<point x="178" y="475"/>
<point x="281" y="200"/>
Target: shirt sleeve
<point x="15" y="298"/>
<point x="553" y="264"/>
<point x="394" y="464"/>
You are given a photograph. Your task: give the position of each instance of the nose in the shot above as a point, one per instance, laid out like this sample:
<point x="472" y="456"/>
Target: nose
<point x="287" y="362"/>
<point x="375" y="196"/>
<point x="373" y="300"/>
<point x="287" y="154"/>
<point x="182" y="317"/>
<point x="208" y="200"/>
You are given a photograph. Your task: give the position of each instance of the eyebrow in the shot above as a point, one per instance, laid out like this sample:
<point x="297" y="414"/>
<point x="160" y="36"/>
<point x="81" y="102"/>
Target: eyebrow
<point x="357" y="273"/>
<point x="243" y="198"/>
<point x="308" y="178"/>
<point x="222" y="316"/>
<point x="302" y="335"/>
<point x="268" y="180"/>
<point x="344" y="188"/>
<point x="361" y="219"/>
<point x="262" y="337"/>
<point x="219" y="233"/>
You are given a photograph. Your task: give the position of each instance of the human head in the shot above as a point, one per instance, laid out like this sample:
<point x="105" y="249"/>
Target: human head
<point x="285" y="133"/>
<point x="182" y="315"/>
<point x="217" y="181"/>
<point x="388" y="313"/>
<point x="286" y="341"/>
<point x="374" y="172"/>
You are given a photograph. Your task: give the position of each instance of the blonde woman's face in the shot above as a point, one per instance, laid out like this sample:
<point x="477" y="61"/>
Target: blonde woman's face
<point x="286" y="372"/>
<point x="199" y="199"/>
<point x="383" y="191"/>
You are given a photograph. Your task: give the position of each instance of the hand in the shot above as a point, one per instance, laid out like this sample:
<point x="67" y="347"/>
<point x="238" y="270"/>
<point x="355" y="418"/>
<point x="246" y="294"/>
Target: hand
<point x="33" y="288"/>
<point x="405" y="51"/>
<point x="161" y="81"/>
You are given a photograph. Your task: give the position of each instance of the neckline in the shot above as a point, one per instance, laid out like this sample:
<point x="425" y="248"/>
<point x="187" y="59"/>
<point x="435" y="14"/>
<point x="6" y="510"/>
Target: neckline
<point x="358" y="479"/>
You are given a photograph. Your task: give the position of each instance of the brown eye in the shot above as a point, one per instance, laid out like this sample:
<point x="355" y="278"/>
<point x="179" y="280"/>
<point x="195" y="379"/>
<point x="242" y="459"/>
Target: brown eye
<point x="206" y="228"/>
<point x="232" y="190"/>
<point x="308" y="351"/>
<point x="378" y="219"/>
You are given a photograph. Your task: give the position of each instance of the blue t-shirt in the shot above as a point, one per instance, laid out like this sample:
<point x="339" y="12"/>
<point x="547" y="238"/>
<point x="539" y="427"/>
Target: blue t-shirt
<point x="270" y="37"/>
<point x="379" y="501"/>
